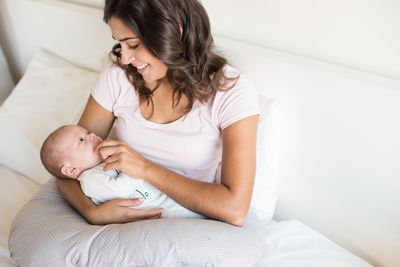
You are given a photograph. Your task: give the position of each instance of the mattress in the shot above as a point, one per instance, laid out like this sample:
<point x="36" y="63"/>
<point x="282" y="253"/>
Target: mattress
<point x="289" y="243"/>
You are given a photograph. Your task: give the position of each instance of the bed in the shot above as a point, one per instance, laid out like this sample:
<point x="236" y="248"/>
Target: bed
<point x="288" y="242"/>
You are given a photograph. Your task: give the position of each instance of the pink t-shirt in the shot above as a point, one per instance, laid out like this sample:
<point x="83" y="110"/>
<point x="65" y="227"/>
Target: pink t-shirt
<point x="191" y="145"/>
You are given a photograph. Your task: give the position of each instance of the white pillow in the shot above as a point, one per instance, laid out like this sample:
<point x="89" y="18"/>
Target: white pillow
<point x="265" y="193"/>
<point x="48" y="232"/>
<point x="6" y="83"/>
<point x="251" y="64"/>
<point x="265" y="186"/>
<point x="51" y="93"/>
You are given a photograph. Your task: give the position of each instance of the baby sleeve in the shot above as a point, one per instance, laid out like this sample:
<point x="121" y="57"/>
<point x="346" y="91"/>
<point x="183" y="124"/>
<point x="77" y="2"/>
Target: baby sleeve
<point x="100" y="187"/>
<point x="239" y="102"/>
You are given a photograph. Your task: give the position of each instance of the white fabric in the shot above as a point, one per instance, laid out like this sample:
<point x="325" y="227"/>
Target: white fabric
<point x="48" y="232"/>
<point x="293" y="244"/>
<point x="265" y="191"/>
<point x="6" y="81"/>
<point x="52" y="93"/>
<point x="15" y="190"/>
<point x="103" y="186"/>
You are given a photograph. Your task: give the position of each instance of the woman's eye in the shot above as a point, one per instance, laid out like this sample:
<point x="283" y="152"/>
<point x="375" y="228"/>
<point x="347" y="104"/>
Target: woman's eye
<point x="133" y="47"/>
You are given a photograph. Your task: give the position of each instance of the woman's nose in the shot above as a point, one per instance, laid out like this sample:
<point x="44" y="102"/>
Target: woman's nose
<point x="126" y="57"/>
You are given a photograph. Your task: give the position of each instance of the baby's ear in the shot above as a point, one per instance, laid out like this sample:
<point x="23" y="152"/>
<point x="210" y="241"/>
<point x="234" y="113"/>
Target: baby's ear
<point x="70" y="171"/>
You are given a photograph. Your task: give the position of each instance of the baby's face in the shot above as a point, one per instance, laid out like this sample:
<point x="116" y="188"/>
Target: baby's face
<point x="80" y="147"/>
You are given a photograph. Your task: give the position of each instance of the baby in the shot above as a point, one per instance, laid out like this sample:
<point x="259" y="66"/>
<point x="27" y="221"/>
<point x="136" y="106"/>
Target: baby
<point x="70" y="152"/>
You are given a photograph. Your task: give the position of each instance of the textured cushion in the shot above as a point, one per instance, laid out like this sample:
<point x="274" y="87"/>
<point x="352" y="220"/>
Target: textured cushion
<point x="52" y="92"/>
<point x="48" y="232"/>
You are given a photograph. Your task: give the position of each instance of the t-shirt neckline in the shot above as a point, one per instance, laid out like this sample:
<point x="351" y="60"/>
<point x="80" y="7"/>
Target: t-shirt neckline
<point x="164" y="125"/>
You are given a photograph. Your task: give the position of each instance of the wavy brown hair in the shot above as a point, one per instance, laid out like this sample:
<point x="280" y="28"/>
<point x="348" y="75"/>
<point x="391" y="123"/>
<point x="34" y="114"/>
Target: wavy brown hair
<point x="193" y="68"/>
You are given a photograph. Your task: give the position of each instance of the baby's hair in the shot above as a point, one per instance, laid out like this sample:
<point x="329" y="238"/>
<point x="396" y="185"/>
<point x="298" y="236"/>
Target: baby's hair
<point x="51" y="158"/>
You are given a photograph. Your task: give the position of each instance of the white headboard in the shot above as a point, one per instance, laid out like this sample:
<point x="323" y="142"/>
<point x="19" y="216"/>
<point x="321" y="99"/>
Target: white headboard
<point x="339" y="128"/>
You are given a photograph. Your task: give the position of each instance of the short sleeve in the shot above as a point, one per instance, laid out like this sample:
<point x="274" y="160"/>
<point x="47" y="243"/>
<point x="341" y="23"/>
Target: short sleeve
<point x="239" y="102"/>
<point x="108" y="86"/>
<point x="101" y="187"/>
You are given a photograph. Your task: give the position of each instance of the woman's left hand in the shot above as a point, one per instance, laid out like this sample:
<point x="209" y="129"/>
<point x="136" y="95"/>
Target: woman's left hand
<point x="118" y="155"/>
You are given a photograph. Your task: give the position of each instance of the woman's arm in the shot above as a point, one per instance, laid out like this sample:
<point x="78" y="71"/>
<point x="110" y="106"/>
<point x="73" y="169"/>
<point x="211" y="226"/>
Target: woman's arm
<point x="99" y="120"/>
<point x="228" y="201"/>
<point x="96" y="119"/>
<point x="114" y="211"/>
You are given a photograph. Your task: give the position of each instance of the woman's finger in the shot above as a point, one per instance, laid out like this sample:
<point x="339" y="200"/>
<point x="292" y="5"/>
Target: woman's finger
<point x="154" y="217"/>
<point x="144" y="214"/>
<point x="113" y="158"/>
<point x="115" y="165"/>
<point x="110" y="142"/>
<point x="107" y="151"/>
<point x="130" y="202"/>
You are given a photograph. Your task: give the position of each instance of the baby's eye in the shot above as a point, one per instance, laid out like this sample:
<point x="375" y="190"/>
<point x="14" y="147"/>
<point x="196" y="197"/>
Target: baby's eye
<point x="81" y="140"/>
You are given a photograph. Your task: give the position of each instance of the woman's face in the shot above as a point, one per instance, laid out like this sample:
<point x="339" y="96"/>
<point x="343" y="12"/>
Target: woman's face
<point x="135" y="53"/>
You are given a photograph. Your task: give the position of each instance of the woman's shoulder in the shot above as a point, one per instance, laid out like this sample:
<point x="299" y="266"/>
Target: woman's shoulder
<point x="236" y="83"/>
<point x="111" y="68"/>
<point x="236" y="100"/>
<point x="114" y="76"/>
<point x="112" y="87"/>
<point x="230" y="71"/>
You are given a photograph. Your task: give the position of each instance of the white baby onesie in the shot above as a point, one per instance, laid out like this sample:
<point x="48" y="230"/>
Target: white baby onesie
<point x="103" y="186"/>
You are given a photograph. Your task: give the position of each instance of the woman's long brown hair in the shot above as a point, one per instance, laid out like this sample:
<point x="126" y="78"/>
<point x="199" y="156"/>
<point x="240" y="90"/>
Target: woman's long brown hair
<point x="193" y="68"/>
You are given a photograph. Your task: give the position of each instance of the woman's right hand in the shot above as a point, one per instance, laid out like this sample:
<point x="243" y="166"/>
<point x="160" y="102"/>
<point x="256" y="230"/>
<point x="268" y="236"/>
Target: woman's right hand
<point x="120" y="211"/>
<point x="113" y="211"/>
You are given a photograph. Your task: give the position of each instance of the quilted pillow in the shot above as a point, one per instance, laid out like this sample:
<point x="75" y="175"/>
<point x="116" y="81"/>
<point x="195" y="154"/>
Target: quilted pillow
<point x="48" y="232"/>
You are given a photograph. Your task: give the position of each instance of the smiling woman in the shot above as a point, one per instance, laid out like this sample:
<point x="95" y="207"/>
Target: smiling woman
<point x="136" y="55"/>
<point x="167" y="91"/>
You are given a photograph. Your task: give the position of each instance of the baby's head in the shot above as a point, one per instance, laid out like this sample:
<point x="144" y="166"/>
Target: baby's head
<point x="70" y="150"/>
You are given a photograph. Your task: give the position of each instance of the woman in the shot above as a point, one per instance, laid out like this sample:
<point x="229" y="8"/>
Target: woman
<point x="176" y="105"/>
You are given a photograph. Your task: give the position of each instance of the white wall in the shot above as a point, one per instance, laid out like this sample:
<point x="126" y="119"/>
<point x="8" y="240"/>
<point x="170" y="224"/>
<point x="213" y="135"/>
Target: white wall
<point x="363" y="34"/>
<point x="21" y="19"/>
<point x="339" y="170"/>
<point x="339" y="148"/>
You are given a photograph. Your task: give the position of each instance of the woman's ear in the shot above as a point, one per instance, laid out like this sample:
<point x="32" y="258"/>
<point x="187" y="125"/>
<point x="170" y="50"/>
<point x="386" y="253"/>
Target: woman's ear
<point x="69" y="171"/>
<point x="181" y="29"/>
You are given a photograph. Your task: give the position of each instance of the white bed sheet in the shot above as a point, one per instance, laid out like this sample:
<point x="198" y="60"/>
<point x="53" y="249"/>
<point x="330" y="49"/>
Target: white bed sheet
<point x="289" y="243"/>
<point x="15" y="190"/>
<point x="293" y="244"/>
